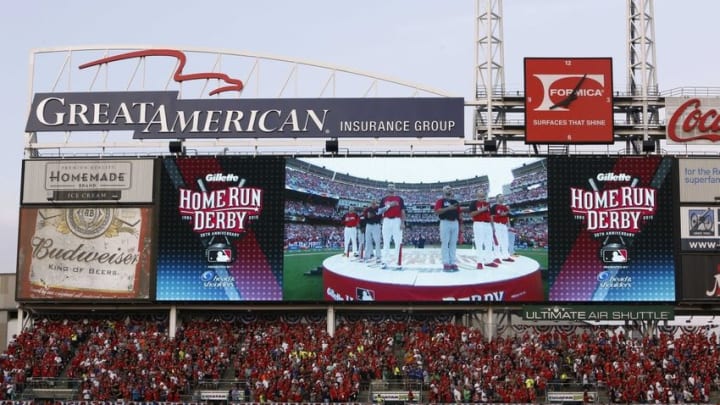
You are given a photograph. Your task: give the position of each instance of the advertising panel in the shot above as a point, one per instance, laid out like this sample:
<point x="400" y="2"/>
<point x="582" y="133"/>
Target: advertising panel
<point x="403" y="201"/>
<point x="611" y="229"/>
<point x="87" y="181"/>
<point x="84" y="253"/>
<point x="568" y="100"/>
<point x="692" y="120"/>
<point x="699" y="229"/>
<point x="699" y="180"/>
<point x="221" y="227"/>
<point x="162" y="115"/>
<point x="598" y="313"/>
<point x="700" y="277"/>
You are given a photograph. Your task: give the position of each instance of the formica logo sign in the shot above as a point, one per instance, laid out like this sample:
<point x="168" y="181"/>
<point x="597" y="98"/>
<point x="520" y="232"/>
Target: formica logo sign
<point x="568" y="100"/>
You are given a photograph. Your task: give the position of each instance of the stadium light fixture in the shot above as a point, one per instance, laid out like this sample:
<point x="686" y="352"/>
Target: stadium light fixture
<point x="331" y="146"/>
<point x="176" y="147"/>
<point x="490" y="145"/>
<point x="648" y="146"/>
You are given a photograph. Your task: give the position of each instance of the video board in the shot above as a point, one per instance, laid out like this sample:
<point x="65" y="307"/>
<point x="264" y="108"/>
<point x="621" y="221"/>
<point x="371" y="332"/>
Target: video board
<point x="611" y="222"/>
<point x="85" y="253"/>
<point x="221" y="227"/>
<point x="699" y="230"/>
<point x="272" y="229"/>
<point x="320" y="192"/>
<point x="287" y="242"/>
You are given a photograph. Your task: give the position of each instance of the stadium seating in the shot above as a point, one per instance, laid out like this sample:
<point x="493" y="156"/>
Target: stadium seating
<point x="268" y="357"/>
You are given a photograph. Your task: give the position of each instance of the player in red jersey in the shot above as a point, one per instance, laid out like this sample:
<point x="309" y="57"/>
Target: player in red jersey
<point x="392" y="227"/>
<point x="482" y="230"/>
<point x="351" y="220"/>
<point x="501" y="219"/>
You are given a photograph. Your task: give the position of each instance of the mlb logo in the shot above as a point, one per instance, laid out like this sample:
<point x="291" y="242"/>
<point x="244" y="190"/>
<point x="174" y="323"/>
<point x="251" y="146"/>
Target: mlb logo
<point x="363" y="294"/>
<point x="215" y="255"/>
<point x="617" y="255"/>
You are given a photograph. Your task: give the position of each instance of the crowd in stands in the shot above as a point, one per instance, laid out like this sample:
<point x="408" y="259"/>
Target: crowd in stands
<point x="311" y="210"/>
<point x="301" y="236"/>
<point x="319" y="185"/>
<point x="525" y="180"/>
<point x="301" y="362"/>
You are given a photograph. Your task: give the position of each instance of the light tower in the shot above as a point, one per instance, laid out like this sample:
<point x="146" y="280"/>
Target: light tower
<point x="489" y="72"/>
<point x="639" y="104"/>
<point x="641" y="72"/>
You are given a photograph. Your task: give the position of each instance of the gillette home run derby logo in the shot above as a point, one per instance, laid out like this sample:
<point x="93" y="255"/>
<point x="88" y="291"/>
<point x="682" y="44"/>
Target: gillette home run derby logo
<point x="613" y="211"/>
<point x="220" y="214"/>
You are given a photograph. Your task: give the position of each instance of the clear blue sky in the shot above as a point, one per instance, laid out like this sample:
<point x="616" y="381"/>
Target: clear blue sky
<point x="429" y="42"/>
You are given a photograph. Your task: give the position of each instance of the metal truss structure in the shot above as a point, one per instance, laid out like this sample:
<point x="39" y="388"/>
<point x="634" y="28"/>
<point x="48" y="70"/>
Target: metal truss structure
<point x="499" y="114"/>
<point x="264" y="76"/>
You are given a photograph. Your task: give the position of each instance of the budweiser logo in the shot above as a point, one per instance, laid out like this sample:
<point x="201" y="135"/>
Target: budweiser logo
<point x="690" y="123"/>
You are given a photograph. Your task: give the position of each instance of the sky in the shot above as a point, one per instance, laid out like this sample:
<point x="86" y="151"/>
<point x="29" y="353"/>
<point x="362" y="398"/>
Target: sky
<point x="429" y="42"/>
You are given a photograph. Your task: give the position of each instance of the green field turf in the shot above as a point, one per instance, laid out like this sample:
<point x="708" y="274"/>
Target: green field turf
<point x="297" y="286"/>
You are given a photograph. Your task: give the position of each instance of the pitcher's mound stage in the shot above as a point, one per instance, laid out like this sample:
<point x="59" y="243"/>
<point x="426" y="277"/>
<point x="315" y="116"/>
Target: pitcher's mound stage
<point x="422" y="279"/>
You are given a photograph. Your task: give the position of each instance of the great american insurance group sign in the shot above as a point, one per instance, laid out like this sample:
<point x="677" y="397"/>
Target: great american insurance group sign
<point x="163" y="115"/>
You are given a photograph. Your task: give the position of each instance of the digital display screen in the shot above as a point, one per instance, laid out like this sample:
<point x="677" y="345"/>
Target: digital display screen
<point x="328" y="258"/>
<point x="458" y="229"/>
<point x="221" y="227"/>
<point x="611" y="229"/>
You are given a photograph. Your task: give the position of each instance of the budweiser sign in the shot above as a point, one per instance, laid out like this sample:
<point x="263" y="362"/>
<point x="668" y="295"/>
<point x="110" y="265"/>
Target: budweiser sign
<point x="692" y="120"/>
<point x="84" y="253"/>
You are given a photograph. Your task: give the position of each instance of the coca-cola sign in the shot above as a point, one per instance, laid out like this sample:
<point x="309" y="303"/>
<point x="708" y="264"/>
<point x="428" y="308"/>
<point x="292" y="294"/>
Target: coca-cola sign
<point x="693" y="120"/>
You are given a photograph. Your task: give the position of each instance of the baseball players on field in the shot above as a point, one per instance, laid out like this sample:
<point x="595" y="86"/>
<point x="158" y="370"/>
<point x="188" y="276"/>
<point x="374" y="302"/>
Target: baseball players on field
<point x="372" y="216"/>
<point x="483" y="230"/>
<point x="351" y="220"/>
<point x="392" y="227"/>
<point x="448" y="210"/>
<point x="501" y="218"/>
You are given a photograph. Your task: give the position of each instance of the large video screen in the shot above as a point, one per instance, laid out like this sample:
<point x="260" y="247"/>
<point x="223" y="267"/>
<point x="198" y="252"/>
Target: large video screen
<point x="394" y="251"/>
<point x="341" y="229"/>
<point x="221" y="229"/>
<point x="271" y="229"/>
<point x="85" y="253"/>
<point x="611" y="229"/>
